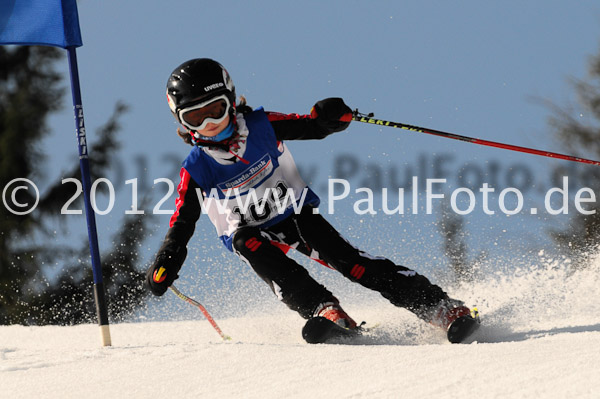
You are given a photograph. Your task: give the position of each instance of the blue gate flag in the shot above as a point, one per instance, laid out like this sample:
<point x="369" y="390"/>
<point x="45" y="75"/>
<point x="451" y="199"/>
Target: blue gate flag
<point x="40" y="22"/>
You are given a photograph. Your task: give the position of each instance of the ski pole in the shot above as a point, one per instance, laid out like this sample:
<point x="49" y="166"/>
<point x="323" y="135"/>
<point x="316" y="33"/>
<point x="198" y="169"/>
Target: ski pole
<point x="368" y="118"/>
<point x="202" y="309"/>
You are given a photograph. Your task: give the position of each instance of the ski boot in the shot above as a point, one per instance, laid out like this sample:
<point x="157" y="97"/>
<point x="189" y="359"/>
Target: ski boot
<point x="456" y="319"/>
<point x="329" y="321"/>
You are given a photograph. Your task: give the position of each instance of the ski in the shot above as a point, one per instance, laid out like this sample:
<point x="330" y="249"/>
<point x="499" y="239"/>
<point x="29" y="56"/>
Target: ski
<point x="319" y="330"/>
<point x="463" y="327"/>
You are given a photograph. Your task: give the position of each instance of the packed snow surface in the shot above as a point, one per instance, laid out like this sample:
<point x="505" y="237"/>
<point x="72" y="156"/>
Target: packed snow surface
<point x="540" y="338"/>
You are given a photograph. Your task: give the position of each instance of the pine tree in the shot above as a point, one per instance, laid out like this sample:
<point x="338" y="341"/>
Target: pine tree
<point x="452" y="228"/>
<point x="30" y="90"/>
<point x="579" y="130"/>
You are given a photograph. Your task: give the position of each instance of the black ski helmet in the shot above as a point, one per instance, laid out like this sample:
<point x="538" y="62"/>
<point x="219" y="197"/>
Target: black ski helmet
<point x="196" y="81"/>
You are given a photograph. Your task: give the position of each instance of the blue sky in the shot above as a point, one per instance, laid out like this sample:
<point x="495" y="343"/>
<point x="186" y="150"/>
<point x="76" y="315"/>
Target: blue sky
<point x="474" y="68"/>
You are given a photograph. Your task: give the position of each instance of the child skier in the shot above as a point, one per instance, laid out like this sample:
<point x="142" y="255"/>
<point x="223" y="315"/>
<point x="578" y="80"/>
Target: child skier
<point x="237" y="151"/>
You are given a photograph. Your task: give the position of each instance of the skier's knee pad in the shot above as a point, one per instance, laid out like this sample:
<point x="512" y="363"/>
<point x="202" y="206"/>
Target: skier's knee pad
<point x="247" y="239"/>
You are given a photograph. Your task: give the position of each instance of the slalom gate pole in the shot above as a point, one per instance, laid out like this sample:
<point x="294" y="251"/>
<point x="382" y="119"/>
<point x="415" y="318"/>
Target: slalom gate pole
<point x="84" y="165"/>
<point x="368" y="118"/>
<point x="202" y="309"/>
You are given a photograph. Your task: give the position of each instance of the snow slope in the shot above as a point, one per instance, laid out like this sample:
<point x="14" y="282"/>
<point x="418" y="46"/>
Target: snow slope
<point x="540" y="338"/>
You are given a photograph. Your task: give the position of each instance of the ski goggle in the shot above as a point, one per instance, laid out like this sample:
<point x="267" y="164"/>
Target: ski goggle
<point x="199" y="115"/>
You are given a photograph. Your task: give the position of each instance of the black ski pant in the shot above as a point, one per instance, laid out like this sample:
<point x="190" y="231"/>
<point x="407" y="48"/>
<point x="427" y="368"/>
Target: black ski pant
<point x="264" y="249"/>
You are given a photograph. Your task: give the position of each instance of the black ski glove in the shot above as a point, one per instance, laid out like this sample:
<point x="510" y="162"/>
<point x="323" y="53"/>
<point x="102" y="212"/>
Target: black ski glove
<point x="163" y="271"/>
<point x="332" y="114"/>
